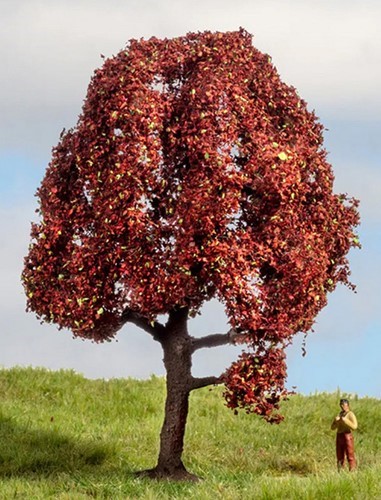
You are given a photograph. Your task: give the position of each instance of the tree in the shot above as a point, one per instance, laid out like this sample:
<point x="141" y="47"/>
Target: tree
<point x="193" y="173"/>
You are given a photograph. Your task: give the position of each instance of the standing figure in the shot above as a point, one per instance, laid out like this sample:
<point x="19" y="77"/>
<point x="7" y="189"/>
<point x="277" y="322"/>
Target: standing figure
<point x="345" y="423"/>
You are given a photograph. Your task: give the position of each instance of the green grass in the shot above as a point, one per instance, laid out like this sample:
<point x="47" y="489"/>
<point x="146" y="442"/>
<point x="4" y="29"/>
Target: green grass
<point x="65" y="437"/>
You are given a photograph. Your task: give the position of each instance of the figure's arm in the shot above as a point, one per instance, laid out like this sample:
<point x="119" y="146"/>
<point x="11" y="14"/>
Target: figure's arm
<point x="350" y="420"/>
<point x="335" y="423"/>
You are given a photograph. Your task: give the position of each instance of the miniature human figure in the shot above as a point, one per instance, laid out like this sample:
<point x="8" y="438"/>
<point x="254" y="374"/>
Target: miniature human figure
<point x="345" y="423"/>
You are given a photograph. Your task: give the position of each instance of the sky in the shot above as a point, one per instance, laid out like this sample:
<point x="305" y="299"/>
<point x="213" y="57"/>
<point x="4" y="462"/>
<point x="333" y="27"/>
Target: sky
<point x="329" y="50"/>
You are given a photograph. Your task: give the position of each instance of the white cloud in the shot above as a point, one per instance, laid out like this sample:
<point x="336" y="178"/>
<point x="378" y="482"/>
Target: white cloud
<point x="329" y="50"/>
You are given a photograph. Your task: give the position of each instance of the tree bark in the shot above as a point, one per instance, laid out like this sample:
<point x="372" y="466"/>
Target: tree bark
<point x="178" y="363"/>
<point x="177" y="349"/>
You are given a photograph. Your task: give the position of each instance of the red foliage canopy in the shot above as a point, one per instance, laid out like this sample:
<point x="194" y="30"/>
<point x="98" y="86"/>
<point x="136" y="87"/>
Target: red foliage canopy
<point x="193" y="172"/>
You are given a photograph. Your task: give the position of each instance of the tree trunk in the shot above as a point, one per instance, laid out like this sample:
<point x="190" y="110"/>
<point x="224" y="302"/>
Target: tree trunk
<point x="177" y="349"/>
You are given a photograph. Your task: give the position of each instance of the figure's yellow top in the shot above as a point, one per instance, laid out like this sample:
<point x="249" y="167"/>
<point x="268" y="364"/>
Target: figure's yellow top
<point x="347" y="422"/>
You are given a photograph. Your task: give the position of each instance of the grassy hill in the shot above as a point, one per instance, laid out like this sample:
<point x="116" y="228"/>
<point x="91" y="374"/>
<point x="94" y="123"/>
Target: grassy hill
<point x="65" y="437"/>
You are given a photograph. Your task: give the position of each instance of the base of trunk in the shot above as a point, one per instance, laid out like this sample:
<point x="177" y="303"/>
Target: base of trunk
<point x="168" y="473"/>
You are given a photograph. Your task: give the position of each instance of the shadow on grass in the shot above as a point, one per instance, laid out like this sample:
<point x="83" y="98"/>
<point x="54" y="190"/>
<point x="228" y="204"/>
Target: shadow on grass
<point x="28" y="451"/>
<point x="296" y="466"/>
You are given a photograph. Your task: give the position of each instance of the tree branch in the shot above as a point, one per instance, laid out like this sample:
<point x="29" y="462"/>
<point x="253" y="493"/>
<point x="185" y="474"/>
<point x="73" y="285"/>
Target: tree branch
<point x="154" y="328"/>
<point x="217" y="339"/>
<point x="198" y="383"/>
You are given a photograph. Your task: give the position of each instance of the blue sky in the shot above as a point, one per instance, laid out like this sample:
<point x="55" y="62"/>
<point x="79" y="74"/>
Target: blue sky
<point x="329" y="50"/>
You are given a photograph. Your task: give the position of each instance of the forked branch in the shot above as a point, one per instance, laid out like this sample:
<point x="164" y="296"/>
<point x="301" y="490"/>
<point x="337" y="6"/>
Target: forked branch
<point x="217" y="339"/>
<point x="198" y="383"/>
<point x="154" y="328"/>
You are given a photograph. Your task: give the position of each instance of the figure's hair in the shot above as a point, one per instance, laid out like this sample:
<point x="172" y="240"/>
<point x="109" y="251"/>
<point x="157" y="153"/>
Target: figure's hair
<point x="343" y="401"/>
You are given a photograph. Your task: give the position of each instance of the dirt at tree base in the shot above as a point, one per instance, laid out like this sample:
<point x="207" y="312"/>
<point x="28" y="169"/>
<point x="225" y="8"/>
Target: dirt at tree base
<point x="168" y="474"/>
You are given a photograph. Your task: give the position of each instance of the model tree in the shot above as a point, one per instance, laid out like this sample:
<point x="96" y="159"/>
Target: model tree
<point x="193" y="173"/>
